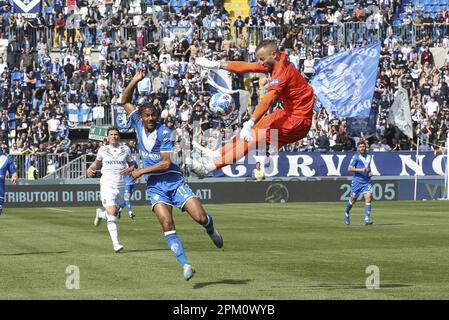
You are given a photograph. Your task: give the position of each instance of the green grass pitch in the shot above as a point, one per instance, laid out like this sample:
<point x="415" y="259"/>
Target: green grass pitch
<point x="271" y="251"/>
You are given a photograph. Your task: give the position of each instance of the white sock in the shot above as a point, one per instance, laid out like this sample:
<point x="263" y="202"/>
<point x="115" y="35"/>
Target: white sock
<point x="103" y="215"/>
<point x="112" y="228"/>
<point x="210" y="165"/>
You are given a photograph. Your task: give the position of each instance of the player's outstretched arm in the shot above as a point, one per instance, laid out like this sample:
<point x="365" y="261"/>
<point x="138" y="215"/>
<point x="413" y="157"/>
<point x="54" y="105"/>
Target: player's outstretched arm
<point x="161" y="166"/>
<point x="231" y="66"/>
<point x="128" y="93"/>
<point x="352" y="169"/>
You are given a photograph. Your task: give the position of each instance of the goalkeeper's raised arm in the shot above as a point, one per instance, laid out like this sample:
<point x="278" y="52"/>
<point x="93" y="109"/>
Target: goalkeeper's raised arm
<point x="231" y="66"/>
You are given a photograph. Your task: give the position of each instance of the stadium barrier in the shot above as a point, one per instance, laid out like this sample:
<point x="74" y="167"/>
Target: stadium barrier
<point x="44" y="164"/>
<point x="87" y="192"/>
<point x="75" y="169"/>
<point x="344" y="34"/>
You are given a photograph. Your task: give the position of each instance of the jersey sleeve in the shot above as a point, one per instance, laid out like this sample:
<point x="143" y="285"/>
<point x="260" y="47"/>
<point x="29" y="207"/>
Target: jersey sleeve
<point x="11" y="167"/>
<point x="354" y="161"/>
<point x="100" y="154"/>
<point x="134" y="118"/>
<point x="165" y="136"/>
<point x="129" y="158"/>
<point x="277" y="83"/>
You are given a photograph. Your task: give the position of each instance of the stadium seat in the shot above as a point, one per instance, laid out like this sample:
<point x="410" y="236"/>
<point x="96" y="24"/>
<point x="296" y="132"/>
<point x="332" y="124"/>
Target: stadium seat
<point x="428" y="8"/>
<point x="436" y="9"/>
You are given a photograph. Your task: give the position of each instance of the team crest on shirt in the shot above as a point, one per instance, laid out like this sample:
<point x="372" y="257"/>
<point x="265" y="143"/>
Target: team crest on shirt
<point x="365" y="160"/>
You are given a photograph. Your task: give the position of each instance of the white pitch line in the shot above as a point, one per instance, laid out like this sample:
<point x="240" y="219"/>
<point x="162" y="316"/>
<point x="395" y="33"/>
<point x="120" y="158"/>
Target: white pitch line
<point x="57" y="209"/>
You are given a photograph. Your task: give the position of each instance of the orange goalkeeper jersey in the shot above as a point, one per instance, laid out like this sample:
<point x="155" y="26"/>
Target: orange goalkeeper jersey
<point x="286" y="82"/>
<point x="292" y="88"/>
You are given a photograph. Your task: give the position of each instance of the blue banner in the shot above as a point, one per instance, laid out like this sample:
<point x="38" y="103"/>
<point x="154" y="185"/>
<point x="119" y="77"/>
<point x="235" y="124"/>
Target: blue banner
<point x="345" y="81"/>
<point x="315" y="164"/>
<point x="27" y="8"/>
<point x="365" y="125"/>
<point x="121" y="119"/>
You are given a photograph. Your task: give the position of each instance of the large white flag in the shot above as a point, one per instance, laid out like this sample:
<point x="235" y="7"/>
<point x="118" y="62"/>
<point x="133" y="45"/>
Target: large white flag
<point x="400" y="113"/>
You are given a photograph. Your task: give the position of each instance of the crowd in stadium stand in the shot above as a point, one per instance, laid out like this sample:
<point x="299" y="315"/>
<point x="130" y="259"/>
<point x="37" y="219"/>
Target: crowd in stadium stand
<point x="37" y="85"/>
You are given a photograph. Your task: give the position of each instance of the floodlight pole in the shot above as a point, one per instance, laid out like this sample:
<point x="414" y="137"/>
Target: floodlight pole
<point x="416" y="176"/>
<point x="447" y="167"/>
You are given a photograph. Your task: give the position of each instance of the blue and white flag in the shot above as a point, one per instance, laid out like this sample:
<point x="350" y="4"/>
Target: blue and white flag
<point x="27" y="8"/>
<point x="85" y="113"/>
<point x="72" y="111"/>
<point x="345" y="81"/>
<point x="121" y="119"/>
<point x="79" y="115"/>
<point x="220" y="81"/>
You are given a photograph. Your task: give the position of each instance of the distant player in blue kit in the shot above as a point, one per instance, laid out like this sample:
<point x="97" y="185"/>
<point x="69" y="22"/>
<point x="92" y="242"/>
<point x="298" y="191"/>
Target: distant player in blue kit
<point x="361" y="183"/>
<point x="129" y="186"/>
<point x="165" y="183"/>
<point x="6" y="165"/>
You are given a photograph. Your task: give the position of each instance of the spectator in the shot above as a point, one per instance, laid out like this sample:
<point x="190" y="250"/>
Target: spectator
<point x="258" y="173"/>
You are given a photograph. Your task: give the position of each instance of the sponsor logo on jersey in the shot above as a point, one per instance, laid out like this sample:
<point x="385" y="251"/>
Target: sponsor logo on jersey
<point x="154" y="156"/>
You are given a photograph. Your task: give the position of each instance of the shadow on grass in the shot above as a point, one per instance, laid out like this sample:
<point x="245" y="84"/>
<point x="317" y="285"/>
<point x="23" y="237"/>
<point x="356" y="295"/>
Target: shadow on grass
<point x="143" y="250"/>
<point x="30" y="253"/>
<point x="359" y="286"/>
<point x="227" y="281"/>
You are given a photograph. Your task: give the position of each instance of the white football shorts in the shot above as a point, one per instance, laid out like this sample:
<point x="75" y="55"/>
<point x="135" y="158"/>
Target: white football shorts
<point x="112" y="196"/>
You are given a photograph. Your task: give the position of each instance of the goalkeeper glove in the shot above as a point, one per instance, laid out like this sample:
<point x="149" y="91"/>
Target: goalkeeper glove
<point x="206" y="63"/>
<point x="245" y="133"/>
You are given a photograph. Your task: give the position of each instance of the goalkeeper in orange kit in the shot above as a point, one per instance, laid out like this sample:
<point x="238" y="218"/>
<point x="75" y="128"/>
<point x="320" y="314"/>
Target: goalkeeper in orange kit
<point x="289" y="124"/>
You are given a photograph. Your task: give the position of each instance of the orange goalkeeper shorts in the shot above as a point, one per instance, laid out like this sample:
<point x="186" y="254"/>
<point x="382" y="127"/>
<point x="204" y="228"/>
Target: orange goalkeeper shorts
<point x="289" y="129"/>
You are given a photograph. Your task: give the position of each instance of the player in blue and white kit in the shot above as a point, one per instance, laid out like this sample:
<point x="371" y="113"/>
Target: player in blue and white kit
<point x="165" y="183"/>
<point x="129" y="186"/>
<point x="6" y="165"/>
<point x="361" y="183"/>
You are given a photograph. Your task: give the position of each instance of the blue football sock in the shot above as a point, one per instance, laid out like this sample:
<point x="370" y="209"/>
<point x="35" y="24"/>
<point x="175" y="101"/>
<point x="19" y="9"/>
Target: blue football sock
<point x="209" y="226"/>
<point x="175" y="245"/>
<point x="128" y="205"/>
<point x="348" y="207"/>
<point x="367" y="210"/>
